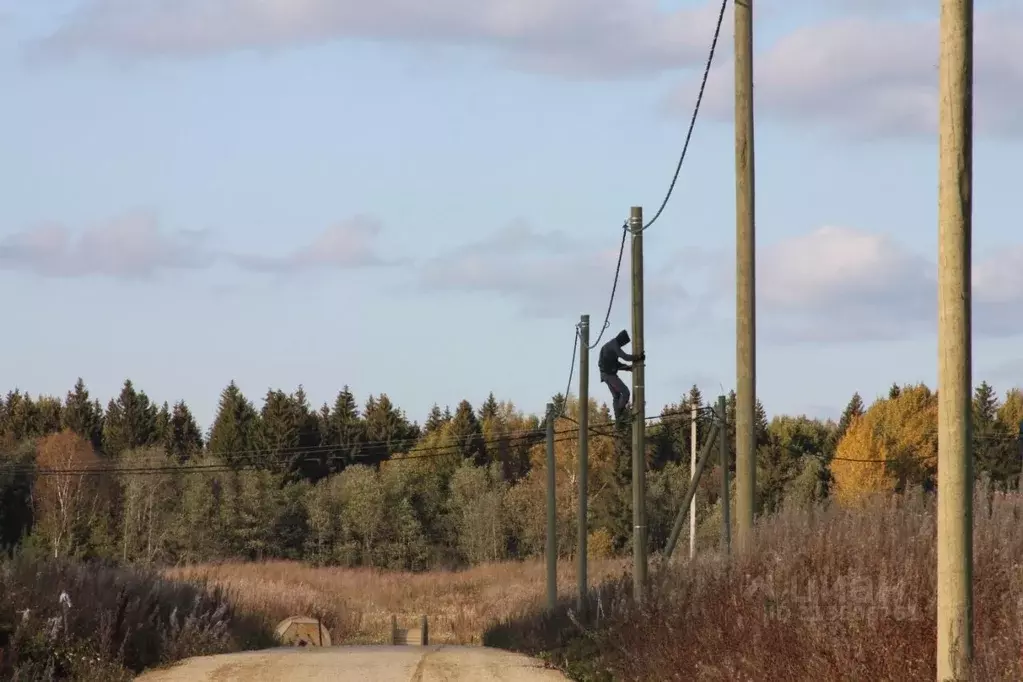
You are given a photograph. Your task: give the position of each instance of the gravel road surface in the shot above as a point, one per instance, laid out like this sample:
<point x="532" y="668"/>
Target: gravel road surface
<point x="438" y="663"/>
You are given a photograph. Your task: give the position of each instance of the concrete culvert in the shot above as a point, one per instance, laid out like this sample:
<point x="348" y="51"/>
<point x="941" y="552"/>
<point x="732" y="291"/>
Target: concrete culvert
<point x="302" y="631"/>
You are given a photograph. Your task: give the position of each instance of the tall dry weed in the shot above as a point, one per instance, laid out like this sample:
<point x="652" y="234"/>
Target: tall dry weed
<point x="825" y="593"/>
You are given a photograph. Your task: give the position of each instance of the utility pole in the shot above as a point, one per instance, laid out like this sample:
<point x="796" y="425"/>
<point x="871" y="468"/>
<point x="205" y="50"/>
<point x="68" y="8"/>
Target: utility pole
<point x="584" y="453"/>
<point x="552" y="516"/>
<point x="955" y="466"/>
<point x="726" y="521"/>
<point x="745" y="277"/>
<point x="694" y="413"/>
<point x="639" y="567"/>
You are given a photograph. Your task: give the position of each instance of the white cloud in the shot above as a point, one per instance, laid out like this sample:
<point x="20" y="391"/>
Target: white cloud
<point x="130" y="246"/>
<point x="346" y="245"/>
<point x="578" y="37"/>
<point x="554" y="275"/>
<point x="873" y="77"/>
<point x="841" y="284"/>
<point x="134" y="245"/>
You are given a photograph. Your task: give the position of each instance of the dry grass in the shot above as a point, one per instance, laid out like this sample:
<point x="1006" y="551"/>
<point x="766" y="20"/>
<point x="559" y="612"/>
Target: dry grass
<point x="826" y="594"/>
<point x="87" y="622"/>
<point x="356" y="604"/>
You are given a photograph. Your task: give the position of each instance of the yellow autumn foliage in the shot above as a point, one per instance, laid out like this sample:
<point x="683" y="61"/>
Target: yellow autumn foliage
<point x="893" y="445"/>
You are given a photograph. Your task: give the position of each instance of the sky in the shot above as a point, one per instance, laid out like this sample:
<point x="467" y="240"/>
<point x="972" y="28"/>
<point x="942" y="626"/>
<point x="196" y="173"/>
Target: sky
<point x="421" y="199"/>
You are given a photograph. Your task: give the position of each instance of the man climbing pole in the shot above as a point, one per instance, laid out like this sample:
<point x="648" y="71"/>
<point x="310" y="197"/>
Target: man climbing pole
<point x="608" y="364"/>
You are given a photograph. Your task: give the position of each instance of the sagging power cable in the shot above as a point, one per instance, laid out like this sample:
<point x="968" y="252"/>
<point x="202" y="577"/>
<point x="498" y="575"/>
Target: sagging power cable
<point x="696" y="111"/>
<point x="614" y="286"/>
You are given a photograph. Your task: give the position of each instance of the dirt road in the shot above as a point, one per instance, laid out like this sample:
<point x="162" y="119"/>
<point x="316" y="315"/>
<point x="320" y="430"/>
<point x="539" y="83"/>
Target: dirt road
<point x="438" y="663"/>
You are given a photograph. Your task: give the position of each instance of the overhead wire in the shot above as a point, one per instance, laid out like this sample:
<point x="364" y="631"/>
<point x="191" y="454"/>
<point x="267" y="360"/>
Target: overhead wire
<point x="692" y="120"/>
<point x="614" y="287"/>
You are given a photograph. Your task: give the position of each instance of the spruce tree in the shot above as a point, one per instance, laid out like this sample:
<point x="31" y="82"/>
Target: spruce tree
<point x="130" y="422"/>
<point x="184" y="439"/>
<point x="346" y="430"/>
<point x="233" y="433"/>
<point x="82" y="415"/>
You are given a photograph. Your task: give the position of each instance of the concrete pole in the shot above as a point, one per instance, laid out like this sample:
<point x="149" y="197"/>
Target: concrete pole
<point x="584" y="454"/>
<point x="552" y="515"/>
<point x="745" y="289"/>
<point x="955" y="466"/>
<point x="639" y="567"/>
<point x="694" y="413"/>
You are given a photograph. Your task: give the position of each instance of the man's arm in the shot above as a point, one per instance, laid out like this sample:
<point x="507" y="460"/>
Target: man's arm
<point x="623" y="355"/>
<point x="624" y="368"/>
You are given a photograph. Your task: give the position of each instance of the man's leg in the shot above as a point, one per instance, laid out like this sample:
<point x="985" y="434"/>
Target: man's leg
<point x="621" y="395"/>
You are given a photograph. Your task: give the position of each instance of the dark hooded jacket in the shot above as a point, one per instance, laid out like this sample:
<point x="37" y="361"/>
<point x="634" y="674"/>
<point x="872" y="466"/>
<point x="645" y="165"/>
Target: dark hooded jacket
<point x="611" y="351"/>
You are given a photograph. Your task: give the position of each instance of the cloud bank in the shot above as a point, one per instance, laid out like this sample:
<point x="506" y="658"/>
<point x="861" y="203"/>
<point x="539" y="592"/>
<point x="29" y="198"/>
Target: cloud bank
<point x="874" y="77"/>
<point x="840" y="284"/>
<point x="136" y="246"/>
<point x="576" y="37"/>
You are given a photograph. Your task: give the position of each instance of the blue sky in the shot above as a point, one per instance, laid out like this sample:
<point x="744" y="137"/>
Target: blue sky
<point x="422" y="199"/>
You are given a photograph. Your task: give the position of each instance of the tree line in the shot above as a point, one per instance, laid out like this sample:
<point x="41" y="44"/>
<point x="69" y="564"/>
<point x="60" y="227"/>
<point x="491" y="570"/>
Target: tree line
<point x="353" y="485"/>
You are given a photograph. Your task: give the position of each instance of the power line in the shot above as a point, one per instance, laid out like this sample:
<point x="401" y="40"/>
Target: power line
<point x="571" y="371"/>
<point x="614" y="286"/>
<point x="249" y="461"/>
<point x="692" y="121"/>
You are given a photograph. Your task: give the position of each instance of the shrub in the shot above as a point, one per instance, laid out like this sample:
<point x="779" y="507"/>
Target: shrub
<point x="65" y="620"/>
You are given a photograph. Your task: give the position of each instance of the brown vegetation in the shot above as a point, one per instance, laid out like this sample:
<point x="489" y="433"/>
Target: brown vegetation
<point x="827" y="593"/>
<point x="60" y="620"/>
<point x="357" y="604"/>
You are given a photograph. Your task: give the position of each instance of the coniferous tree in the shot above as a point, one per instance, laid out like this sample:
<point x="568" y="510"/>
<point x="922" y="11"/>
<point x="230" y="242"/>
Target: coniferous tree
<point x="163" y="418"/>
<point x="130" y="422"/>
<point x="19" y="418"/>
<point x="233" y="433"/>
<point x="82" y="415"/>
<point x="854" y="409"/>
<point x="279" y="431"/>
<point x="434" y="421"/>
<point x="489" y="409"/>
<point x="183" y="440"/>
<point x="48" y="412"/>
<point x="346" y="430"/>
<point x="467" y="433"/>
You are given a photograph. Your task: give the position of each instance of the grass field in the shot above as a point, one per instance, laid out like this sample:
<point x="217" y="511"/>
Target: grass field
<point x="357" y="604"/>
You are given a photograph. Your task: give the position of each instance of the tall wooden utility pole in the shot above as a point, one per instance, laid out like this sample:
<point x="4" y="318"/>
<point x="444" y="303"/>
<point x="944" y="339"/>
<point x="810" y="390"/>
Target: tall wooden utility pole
<point x="694" y="414"/>
<point x="955" y="467"/>
<point x="639" y="566"/>
<point x="726" y="521"/>
<point x="584" y="453"/>
<point x="745" y="277"/>
<point x="552" y="515"/>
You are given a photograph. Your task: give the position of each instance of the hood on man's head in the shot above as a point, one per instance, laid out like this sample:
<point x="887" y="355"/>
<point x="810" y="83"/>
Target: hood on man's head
<point x="622" y="338"/>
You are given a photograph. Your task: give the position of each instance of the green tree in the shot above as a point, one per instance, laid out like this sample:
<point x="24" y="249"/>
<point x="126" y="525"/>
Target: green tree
<point x="183" y="440"/>
<point x="279" y="431"/>
<point x="130" y="422"/>
<point x="48" y="415"/>
<point x="435" y="421"/>
<point x="234" y="431"/>
<point x="345" y="429"/>
<point x="83" y="415"/>
<point x="489" y="409"/>
<point x="854" y="409"/>
<point x="467" y="433"/>
<point x="18" y="420"/>
<point x="387" y="429"/>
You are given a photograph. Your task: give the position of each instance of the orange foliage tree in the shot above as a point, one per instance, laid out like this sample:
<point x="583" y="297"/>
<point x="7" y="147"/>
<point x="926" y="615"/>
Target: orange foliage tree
<point x="893" y="445"/>
<point x="66" y="504"/>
